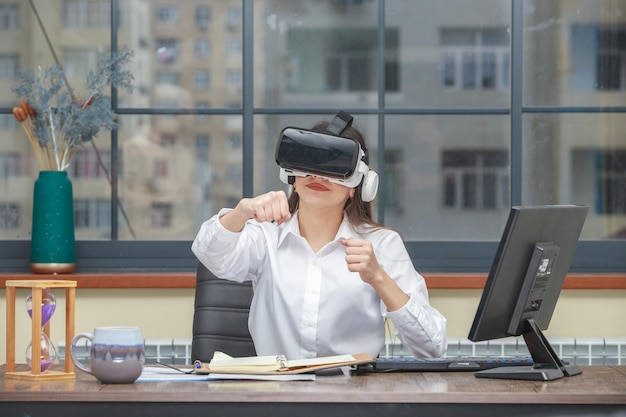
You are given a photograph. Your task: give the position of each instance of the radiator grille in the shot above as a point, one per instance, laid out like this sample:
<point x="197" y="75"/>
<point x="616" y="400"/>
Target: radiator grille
<point x="578" y="351"/>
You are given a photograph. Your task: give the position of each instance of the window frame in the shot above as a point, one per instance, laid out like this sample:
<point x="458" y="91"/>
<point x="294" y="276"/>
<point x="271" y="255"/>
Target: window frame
<point x="428" y="256"/>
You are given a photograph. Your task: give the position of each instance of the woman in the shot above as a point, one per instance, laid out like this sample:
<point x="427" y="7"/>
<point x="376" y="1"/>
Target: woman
<point x="325" y="274"/>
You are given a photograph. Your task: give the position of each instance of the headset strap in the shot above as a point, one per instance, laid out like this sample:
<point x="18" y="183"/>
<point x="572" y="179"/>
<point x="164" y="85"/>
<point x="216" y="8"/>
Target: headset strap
<point x="339" y="123"/>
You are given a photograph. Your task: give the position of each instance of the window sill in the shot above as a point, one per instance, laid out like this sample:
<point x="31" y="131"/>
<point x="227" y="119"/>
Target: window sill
<point x="446" y="281"/>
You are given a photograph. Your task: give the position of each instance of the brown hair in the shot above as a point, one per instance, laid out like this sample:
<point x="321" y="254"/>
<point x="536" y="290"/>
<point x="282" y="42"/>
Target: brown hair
<point x="358" y="212"/>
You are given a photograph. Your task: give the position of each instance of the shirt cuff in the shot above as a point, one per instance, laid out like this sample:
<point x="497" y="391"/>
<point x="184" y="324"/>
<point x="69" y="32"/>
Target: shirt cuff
<point x="221" y="233"/>
<point x="406" y="314"/>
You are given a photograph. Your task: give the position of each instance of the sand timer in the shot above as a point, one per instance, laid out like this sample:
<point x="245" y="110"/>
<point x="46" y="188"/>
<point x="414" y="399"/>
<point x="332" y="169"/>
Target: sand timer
<point x="40" y="305"/>
<point x="48" y="353"/>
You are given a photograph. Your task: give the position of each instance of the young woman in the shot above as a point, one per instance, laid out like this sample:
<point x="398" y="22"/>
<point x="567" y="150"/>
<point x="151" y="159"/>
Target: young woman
<point x="325" y="274"/>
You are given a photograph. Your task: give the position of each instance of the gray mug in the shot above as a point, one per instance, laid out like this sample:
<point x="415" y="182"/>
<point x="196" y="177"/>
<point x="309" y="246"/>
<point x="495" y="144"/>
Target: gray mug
<point x="116" y="356"/>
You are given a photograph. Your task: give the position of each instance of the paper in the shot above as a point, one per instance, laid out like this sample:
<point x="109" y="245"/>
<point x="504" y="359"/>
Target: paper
<point x="222" y="361"/>
<point x="265" y="377"/>
<point x="163" y="374"/>
<point x="277" y="364"/>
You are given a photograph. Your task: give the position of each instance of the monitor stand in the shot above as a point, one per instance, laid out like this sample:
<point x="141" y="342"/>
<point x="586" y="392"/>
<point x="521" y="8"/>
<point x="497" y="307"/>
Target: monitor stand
<point x="547" y="364"/>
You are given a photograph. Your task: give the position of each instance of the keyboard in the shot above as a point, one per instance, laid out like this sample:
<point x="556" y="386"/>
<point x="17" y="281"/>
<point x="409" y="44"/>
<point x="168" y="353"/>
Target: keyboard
<point x="447" y="364"/>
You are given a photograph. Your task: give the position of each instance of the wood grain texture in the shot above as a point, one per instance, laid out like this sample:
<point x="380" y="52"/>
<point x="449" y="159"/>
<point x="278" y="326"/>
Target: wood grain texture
<point x="596" y="385"/>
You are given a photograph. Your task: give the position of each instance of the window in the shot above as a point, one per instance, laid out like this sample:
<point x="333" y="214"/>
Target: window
<point x="9" y="17"/>
<point x="167" y="14"/>
<point x="92" y="213"/>
<point x="203" y="17"/>
<point x="475" y="180"/>
<point x="234" y="46"/>
<point x="86" y="14"/>
<point x="611" y="166"/>
<point x="85" y="164"/>
<point x="455" y="143"/>
<point x="233" y="18"/>
<point x="394" y="180"/>
<point x="347" y="60"/>
<point x="475" y="59"/>
<point x="9" y="215"/>
<point x="202" y="143"/>
<point x="599" y="59"/>
<point x="611" y="60"/>
<point x="160" y="215"/>
<point x="8" y="66"/>
<point x="10" y="165"/>
<point x="8" y="122"/>
<point x="202" y="47"/>
<point x="202" y="79"/>
<point x="167" y="50"/>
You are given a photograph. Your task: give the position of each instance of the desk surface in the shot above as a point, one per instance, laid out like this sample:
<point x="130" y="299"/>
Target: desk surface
<point x="601" y="390"/>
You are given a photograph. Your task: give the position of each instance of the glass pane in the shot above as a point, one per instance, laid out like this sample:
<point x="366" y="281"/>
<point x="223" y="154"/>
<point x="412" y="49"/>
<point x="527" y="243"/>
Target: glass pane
<point x="488" y="70"/>
<point x="578" y="159"/>
<point x="189" y="54"/>
<point x="451" y="176"/>
<point x="578" y="59"/>
<point x="468" y="65"/>
<point x="317" y="52"/>
<point x="451" y="53"/>
<point x="176" y="172"/>
<point x="25" y="49"/>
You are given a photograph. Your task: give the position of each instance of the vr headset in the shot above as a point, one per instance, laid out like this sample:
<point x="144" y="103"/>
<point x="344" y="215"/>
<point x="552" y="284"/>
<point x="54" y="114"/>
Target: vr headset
<point x="303" y="152"/>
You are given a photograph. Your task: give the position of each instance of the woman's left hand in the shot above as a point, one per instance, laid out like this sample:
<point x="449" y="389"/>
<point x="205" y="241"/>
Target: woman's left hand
<point x="360" y="258"/>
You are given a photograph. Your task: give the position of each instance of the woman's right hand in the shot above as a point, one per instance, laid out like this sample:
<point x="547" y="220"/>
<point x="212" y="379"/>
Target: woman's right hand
<point x="269" y="207"/>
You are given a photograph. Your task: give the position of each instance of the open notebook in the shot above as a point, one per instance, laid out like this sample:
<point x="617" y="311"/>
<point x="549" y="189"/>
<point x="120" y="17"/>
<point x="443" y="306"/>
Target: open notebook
<point x="276" y="364"/>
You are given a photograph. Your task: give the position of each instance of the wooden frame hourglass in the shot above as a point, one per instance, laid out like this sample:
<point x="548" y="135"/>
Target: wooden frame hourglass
<point x="36" y="287"/>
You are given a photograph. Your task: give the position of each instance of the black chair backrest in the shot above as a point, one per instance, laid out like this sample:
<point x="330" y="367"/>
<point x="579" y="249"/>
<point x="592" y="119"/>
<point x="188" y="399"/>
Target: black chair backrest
<point x="220" y="319"/>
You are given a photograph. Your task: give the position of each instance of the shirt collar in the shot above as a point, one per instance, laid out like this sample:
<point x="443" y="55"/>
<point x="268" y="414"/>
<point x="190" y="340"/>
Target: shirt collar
<point x="292" y="227"/>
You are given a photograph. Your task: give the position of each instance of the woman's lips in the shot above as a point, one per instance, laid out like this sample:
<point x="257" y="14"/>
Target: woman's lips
<point x="317" y="186"/>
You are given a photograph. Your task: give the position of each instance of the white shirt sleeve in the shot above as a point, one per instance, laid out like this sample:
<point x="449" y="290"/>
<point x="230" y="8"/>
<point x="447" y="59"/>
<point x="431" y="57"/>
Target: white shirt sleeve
<point x="229" y="255"/>
<point x="419" y="326"/>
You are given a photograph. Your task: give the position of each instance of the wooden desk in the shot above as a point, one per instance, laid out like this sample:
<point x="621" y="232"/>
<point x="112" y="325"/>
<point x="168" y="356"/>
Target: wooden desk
<point x="598" y="391"/>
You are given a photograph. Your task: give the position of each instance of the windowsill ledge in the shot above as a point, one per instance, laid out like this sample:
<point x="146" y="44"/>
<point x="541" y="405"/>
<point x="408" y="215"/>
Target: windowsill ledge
<point x="450" y="281"/>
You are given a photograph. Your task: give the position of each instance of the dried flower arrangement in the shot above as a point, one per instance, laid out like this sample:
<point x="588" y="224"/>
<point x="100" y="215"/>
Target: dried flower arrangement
<point x="56" y="121"/>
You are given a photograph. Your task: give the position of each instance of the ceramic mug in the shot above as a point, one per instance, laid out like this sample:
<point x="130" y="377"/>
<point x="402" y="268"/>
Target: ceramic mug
<point x="116" y="356"/>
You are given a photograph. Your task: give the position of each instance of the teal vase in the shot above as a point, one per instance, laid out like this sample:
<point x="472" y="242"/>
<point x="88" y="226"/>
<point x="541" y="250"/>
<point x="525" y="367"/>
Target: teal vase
<point x="53" y="244"/>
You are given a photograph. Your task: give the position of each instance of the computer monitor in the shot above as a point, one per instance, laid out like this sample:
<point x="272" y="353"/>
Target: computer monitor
<point x="524" y="284"/>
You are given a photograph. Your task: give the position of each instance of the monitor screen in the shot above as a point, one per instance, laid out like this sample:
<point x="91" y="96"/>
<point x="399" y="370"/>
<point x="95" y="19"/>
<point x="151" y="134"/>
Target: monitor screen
<point x="524" y="284"/>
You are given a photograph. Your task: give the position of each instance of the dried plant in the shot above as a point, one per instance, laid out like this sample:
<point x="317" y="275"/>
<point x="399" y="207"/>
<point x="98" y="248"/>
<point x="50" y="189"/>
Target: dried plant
<point x="56" y="121"/>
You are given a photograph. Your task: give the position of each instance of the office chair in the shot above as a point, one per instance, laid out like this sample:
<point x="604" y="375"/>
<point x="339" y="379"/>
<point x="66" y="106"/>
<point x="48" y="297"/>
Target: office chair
<point x="220" y="319"/>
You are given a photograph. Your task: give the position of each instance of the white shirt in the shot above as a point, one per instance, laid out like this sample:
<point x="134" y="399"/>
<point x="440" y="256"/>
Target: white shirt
<point x="308" y="304"/>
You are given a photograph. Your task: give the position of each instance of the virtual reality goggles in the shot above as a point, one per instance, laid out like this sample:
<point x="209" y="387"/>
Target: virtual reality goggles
<point x="303" y="152"/>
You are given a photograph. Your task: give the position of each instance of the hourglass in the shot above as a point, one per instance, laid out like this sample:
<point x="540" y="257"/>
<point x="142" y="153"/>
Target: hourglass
<point x="40" y="305"/>
<point x="47" y="351"/>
